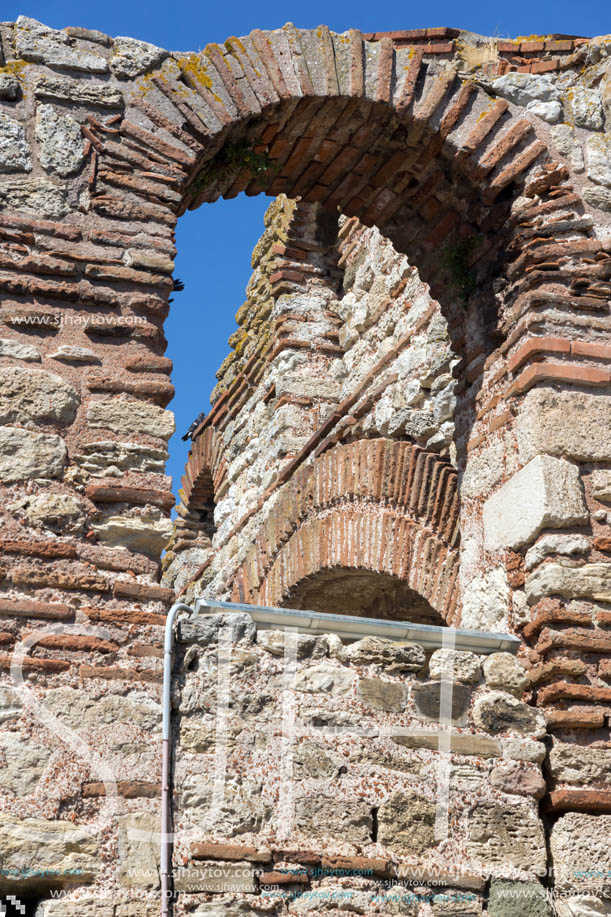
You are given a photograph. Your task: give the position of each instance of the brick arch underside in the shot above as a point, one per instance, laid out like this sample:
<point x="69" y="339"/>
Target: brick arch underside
<point x="377" y="131"/>
<point x="378" y="505"/>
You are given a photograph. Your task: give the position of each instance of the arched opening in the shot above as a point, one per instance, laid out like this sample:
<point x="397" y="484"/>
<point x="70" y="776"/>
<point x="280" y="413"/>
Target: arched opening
<point x="340" y="590"/>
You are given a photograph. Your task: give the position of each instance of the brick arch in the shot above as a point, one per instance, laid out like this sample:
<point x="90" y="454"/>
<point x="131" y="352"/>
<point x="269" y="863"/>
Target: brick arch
<point x="204" y="472"/>
<point x="379" y="505"/>
<point x="387" y="133"/>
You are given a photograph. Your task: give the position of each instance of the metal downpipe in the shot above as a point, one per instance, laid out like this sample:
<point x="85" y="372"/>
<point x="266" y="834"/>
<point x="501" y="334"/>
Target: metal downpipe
<point x="166" y="759"/>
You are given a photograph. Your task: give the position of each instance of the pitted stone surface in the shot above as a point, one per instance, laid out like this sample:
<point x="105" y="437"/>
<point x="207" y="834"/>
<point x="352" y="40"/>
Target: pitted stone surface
<point x="575" y="425"/>
<point x="132" y="57"/>
<point x="388" y="655"/>
<point x="61" y="144"/>
<point x="148" y="534"/>
<point x="499" y="712"/>
<point x="37" y="843"/>
<point x="14" y="149"/>
<point x="122" y="416"/>
<point x="40" y="44"/>
<point x="598" y="159"/>
<point x="523" y="88"/>
<point x="502" y="834"/>
<point x="578" y="764"/>
<point x="549" y="494"/>
<point x="406" y="824"/>
<point x="19" y="351"/>
<point x="9" y="87"/>
<point x="455" y="665"/>
<point x="35" y="395"/>
<point x="26" y="455"/>
<point x="58" y="512"/>
<point x="67" y="90"/>
<point x="37" y="196"/>
<point x="592" y="581"/>
<point x="580" y="849"/>
<point x="504" y="672"/>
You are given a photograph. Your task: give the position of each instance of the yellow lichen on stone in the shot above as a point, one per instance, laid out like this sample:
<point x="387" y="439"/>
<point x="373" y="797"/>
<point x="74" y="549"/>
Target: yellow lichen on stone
<point x="192" y="66"/>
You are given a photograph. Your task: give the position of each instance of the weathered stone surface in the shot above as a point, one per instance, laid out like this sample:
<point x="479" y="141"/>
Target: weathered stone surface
<point x="9" y="87"/>
<point x="130" y="57"/>
<point x="389" y="655"/>
<point x="460" y="743"/>
<point x="10" y="704"/>
<point x="579" y="845"/>
<point x="514" y="899"/>
<point x="524" y="750"/>
<point x="555" y="544"/>
<point x="146" y="534"/>
<point x="58" y="512"/>
<point x="207" y="628"/>
<point x="499" y="712"/>
<point x="37" y="844"/>
<point x="548" y="111"/>
<point x="14" y="149"/>
<point x="427" y="698"/>
<point x="584" y="108"/>
<point x="501" y="835"/>
<point x="334" y="817"/>
<point x="583" y="906"/>
<point x="37" y="196"/>
<point x="486" y="601"/>
<point x="38" y="43"/>
<point x="325" y="677"/>
<point x="518" y="780"/>
<point x="184" y="567"/>
<point x="81" y="908"/>
<point x="61" y="144"/>
<point x="274" y="642"/>
<point x="19" y="351"/>
<point x="78" y="710"/>
<point x="24" y="764"/>
<point x="523" y="88"/>
<point x="138" y="850"/>
<point x="70" y="353"/>
<point x="597" y="196"/>
<point x="382" y="695"/>
<point x="406" y="823"/>
<point x="572" y="424"/>
<point x="110" y="458"/>
<point x="505" y="672"/>
<point x="216" y="877"/>
<point x="592" y="581"/>
<point x="580" y="764"/>
<point x="150" y="261"/>
<point x="35" y="395"/>
<point x="312" y="759"/>
<point x="601" y="485"/>
<point x="568" y="145"/>
<point x="548" y="491"/>
<point x="598" y="159"/>
<point x="79" y="91"/>
<point x="455" y="665"/>
<point x="26" y="455"/>
<point x="123" y="416"/>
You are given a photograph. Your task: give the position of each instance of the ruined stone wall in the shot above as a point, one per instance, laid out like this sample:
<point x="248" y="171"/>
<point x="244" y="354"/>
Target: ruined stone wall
<point x="484" y="166"/>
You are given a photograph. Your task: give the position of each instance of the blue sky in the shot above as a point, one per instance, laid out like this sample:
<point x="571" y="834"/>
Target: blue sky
<point x="215" y="242"/>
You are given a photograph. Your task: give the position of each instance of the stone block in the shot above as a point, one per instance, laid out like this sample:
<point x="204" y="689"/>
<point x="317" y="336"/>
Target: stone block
<point x="14" y="148"/>
<point x="39" y="44"/>
<point x="144" y="534"/>
<point x="382" y="695"/>
<point x="10" y="704"/>
<point x="579" y="845"/>
<point x="427" y="699"/>
<point x="584" y="108"/>
<point x="515" y="899"/>
<point x="138" y="864"/>
<point x="583" y="906"/>
<point x="455" y="665"/>
<point x="486" y="601"/>
<point x="35" y="395"/>
<point x="344" y="819"/>
<point x="19" y="351"/>
<point x="502" y="835"/>
<point x="570" y="424"/>
<point x="546" y="493"/>
<point x="601" y="485"/>
<point x="124" y="416"/>
<point x="79" y="91"/>
<point x="216" y="877"/>
<point x="555" y="544"/>
<point x="26" y="455"/>
<point x="505" y="672"/>
<point x="406" y="823"/>
<point x="57" y="512"/>
<point x="207" y="629"/>
<point x="579" y="764"/>
<point x="37" y="196"/>
<point x="108" y="458"/>
<point x="524" y="750"/>
<point x="389" y="655"/>
<point x="325" y="678"/>
<point x="518" y="780"/>
<point x="273" y="641"/>
<point x="591" y="581"/>
<point x="9" y="87"/>
<point x="60" y="141"/>
<point x="498" y="712"/>
<point x="24" y="764"/>
<point x="34" y="844"/>
<point x="598" y="159"/>
<point x="131" y="57"/>
<point x="523" y="88"/>
<point x="461" y="743"/>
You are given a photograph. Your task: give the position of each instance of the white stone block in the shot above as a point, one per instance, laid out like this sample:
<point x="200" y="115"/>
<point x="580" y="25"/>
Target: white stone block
<point x="546" y="493"/>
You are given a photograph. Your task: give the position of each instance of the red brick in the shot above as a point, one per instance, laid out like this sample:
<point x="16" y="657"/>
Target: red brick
<point x="211" y="851"/>
<point x="124" y="616"/>
<point x="112" y="673"/>
<point x="24" y="608"/>
<point x="568" y="692"/>
<point x="357" y="865"/>
<point x="30" y="664"/>
<point x="57" y="579"/>
<point x="128" y="789"/>
<point x="117" y="493"/>
<point x="284" y="877"/>
<point x="143" y="592"/>
<point x="578" y="801"/>
<point x="38" y="548"/>
<point x="575" y="718"/>
<point x="77" y="643"/>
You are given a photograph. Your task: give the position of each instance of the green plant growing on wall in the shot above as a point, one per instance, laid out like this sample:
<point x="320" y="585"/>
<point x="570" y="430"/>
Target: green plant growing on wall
<point x="231" y="159"/>
<point x="457" y="259"/>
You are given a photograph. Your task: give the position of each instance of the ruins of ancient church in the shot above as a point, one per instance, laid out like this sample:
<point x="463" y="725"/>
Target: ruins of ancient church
<point x="367" y="667"/>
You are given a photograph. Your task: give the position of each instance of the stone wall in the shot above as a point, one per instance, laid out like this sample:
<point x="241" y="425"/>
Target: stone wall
<point x="370" y="419"/>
